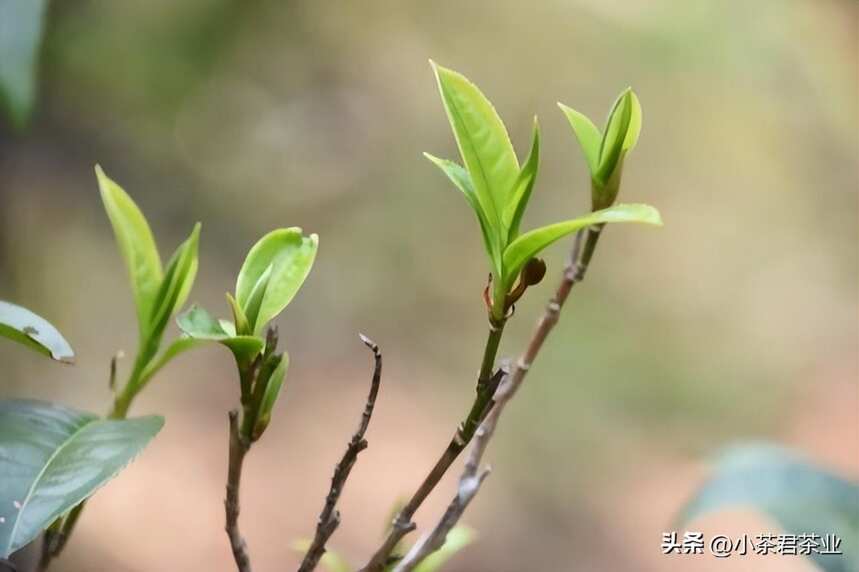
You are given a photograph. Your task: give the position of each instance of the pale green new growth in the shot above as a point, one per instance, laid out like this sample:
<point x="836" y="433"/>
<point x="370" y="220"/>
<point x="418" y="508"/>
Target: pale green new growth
<point x="274" y="270"/>
<point x="605" y="151"/>
<point x="498" y="190"/>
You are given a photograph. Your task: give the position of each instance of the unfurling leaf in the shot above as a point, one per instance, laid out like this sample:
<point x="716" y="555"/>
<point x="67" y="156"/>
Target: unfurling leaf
<point x="275" y="268"/>
<point x="802" y="498"/>
<point x="137" y="246"/>
<point x="25" y="327"/>
<point x="614" y="137"/>
<point x="605" y="152"/>
<point x="53" y="458"/>
<point x="177" y="283"/>
<point x="515" y="209"/>
<point x="533" y="242"/>
<point x="273" y="385"/>
<point x="198" y="324"/>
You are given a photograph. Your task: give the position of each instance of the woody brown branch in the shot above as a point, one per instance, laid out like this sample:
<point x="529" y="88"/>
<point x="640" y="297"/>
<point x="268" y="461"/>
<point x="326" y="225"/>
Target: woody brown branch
<point x="470" y="480"/>
<point x="329" y="518"/>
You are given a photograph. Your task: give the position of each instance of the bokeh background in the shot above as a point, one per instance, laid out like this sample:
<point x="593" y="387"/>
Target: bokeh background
<point x="736" y="321"/>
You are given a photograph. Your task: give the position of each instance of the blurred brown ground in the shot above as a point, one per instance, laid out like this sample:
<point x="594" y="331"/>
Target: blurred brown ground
<point x="737" y="320"/>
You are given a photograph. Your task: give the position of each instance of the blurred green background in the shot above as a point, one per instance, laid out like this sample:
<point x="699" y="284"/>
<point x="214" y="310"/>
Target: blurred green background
<point x="737" y="320"/>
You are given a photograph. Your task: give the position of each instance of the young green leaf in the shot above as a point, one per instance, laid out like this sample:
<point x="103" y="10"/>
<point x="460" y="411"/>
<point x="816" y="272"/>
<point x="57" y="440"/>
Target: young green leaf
<point x="177" y="283"/>
<point x="255" y="300"/>
<point x="285" y="256"/>
<point x="462" y="180"/>
<point x="240" y="324"/>
<point x="25" y="327"/>
<point x="483" y="142"/>
<point x="802" y="498"/>
<point x="457" y="539"/>
<point x="53" y="458"/>
<point x="20" y="38"/>
<point x="200" y="325"/>
<point x="533" y="242"/>
<point x="634" y="128"/>
<point x="615" y="136"/>
<point x="272" y="391"/>
<point x="512" y="216"/>
<point x="136" y="244"/>
<point x="605" y="152"/>
<point x="589" y="137"/>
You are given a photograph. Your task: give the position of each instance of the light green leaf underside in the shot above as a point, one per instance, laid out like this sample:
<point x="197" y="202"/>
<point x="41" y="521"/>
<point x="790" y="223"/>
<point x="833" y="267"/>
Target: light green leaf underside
<point x="588" y="135"/>
<point x="533" y="242"/>
<point x="290" y="256"/>
<point x="460" y="178"/>
<point x="53" y="457"/>
<point x="136" y="244"/>
<point x="23" y="326"/>
<point x="20" y="38"/>
<point x="482" y="139"/>
<point x="456" y="540"/>
<point x="802" y="498"/>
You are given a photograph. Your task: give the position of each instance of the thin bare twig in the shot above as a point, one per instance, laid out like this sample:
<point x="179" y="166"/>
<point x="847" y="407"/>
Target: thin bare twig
<point x="239" y="446"/>
<point x="470" y="480"/>
<point x="329" y="519"/>
<point x="486" y="387"/>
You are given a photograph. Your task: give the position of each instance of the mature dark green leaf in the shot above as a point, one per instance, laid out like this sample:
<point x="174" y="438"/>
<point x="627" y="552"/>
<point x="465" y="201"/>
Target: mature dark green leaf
<point x="20" y="38"/>
<point x="54" y="457"/>
<point x="483" y="142"/>
<point x="288" y="256"/>
<point x="137" y="246"/>
<point x="460" y="177"/>
<point x="198" y="324"/>
<point x="25" y="327"/>
<point x="515" y="210"/>
<point x="533" y="242"/>
<point x="456" y="540"/>
<point x="802" y="498"/>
